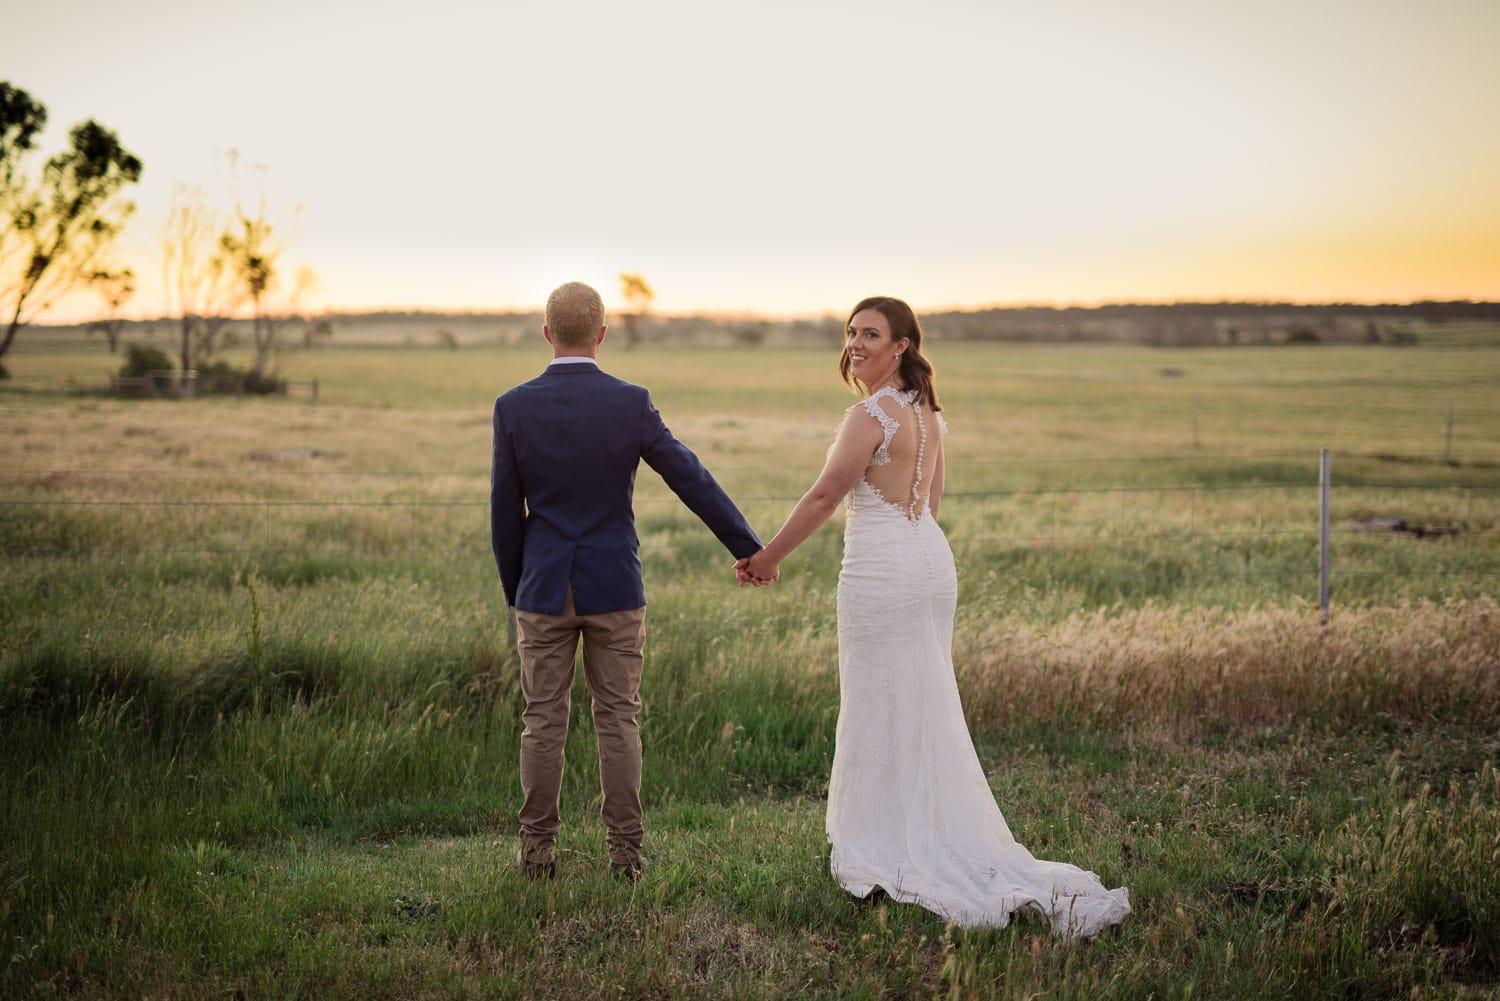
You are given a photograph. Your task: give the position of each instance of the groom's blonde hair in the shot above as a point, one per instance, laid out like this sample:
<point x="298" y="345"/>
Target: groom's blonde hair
<point x="574" y="315"/>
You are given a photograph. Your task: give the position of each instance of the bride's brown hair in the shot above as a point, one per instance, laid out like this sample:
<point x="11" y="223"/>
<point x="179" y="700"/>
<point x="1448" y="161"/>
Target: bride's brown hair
<point x="916" y="370"/>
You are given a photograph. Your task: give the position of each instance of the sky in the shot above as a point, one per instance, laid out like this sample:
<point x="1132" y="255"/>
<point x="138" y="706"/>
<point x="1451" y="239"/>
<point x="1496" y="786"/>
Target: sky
<point x="791" y="156"/>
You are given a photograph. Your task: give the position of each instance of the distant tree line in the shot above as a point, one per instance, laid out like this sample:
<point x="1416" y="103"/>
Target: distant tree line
<point x="1202" y="324"/>
<point x="1429" y="311"/>
<point x="1185" y="324"/>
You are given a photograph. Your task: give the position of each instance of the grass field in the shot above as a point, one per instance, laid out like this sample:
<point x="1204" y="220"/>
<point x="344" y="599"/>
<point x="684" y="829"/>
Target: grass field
<point x="259" y="718"/>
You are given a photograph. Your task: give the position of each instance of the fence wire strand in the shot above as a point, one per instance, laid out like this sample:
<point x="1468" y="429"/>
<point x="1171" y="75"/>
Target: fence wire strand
<point x="1050" y="539"/>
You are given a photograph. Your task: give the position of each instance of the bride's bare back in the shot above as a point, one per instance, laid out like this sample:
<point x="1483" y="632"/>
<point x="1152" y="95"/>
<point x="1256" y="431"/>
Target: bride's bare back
<point x="905" y="469"/>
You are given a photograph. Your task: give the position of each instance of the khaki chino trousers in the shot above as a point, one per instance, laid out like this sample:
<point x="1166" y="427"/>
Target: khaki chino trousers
<point x="612" y="660"/>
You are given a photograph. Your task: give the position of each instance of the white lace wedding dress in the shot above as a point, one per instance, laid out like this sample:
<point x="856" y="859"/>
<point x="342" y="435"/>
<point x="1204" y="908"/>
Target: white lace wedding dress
<point x="909" y="807"/>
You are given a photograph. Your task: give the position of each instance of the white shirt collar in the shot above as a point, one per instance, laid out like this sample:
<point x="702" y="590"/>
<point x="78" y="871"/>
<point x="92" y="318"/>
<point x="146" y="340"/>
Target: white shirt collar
<point x="575" y="360"/>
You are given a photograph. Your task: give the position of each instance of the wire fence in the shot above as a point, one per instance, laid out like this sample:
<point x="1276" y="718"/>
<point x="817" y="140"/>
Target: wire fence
<point x="277" y="463"/>
<point x="1445" y="533"/>
<point x="1444" y="423"/>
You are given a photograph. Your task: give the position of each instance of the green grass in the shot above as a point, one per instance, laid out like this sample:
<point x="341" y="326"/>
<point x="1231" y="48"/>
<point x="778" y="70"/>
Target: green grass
<point x="301" y="848"/>
<point x="259" y="721"/>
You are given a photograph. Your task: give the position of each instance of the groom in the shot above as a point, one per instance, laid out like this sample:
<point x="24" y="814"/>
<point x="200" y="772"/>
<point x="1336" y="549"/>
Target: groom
<point x="566" y="449"/>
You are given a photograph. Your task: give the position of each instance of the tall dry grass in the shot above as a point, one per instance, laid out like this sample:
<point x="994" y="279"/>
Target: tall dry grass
<point x="1186" y="671"/>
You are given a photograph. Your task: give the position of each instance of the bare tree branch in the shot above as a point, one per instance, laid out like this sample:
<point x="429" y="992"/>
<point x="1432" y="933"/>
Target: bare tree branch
<point x="196" y="272"/>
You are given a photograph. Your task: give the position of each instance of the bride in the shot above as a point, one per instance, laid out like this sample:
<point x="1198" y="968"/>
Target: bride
<point x="910" y="811"/>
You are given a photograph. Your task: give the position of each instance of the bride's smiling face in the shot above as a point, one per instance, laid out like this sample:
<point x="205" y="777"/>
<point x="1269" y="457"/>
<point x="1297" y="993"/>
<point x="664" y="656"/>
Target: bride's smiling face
<point x="873" y="356"/>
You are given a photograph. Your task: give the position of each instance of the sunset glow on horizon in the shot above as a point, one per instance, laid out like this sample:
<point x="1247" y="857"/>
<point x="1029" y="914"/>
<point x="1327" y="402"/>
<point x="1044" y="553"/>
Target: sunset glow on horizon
<point x="788" y="163"/>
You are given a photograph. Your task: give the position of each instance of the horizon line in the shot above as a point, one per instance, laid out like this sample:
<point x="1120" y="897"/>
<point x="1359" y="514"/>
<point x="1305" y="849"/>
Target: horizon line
<point x="739" y="314"/>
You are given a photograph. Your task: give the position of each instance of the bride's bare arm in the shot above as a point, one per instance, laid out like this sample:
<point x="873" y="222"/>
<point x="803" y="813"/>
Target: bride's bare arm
<point x="857" y="441"/>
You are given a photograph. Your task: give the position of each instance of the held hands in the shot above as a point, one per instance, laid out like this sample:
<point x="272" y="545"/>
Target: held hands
<point x="758" y="570"/>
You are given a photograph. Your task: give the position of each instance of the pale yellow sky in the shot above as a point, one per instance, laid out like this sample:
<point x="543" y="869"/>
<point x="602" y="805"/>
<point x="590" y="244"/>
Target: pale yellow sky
<point x="793" y="156"/>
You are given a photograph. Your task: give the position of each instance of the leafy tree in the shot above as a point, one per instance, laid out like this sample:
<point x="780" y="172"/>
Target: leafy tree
<point x="116" y="288"/>
<point x="53" y="229"/>
<point x="144" y="360"/>
<point x="21" y="119"/>
<point x="638" y="298"/>
<point x="256" y="261"/>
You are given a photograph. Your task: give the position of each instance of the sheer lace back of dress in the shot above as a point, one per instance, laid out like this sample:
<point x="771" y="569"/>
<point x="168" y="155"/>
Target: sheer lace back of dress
<point x="902" y="469"/>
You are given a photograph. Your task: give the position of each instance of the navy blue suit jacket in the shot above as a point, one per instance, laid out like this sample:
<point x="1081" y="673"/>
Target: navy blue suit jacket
<point x="567" y="445"/>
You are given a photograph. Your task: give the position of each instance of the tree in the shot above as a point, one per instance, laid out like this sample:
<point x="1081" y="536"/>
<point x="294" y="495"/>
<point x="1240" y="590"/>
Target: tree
<point x="752" y="334"/>
<point x="255" y="258"/>
<point x="196" y="272"/>
<point x="638" y="298"/>
<point x="53" y="229"/>
<point x="21" y="119"/>
<point x="317" y="329"/>
<point x="116" y="289"/>
<point x="289" y="307"/>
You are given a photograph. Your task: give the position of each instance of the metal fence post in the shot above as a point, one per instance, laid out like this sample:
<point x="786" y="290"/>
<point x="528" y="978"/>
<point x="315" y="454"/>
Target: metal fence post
<point x="1323" y="527"/>
<point x="1469" y="530"/>
<point x="1448" y="439"/>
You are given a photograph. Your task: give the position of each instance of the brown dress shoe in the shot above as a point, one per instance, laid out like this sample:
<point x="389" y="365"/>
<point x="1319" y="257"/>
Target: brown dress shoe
<point x="632" y="871"/>
<point x="538" y="863"/>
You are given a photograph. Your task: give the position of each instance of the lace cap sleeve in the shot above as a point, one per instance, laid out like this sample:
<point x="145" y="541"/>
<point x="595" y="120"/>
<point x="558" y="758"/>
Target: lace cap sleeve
<point x="888" y="424"/>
